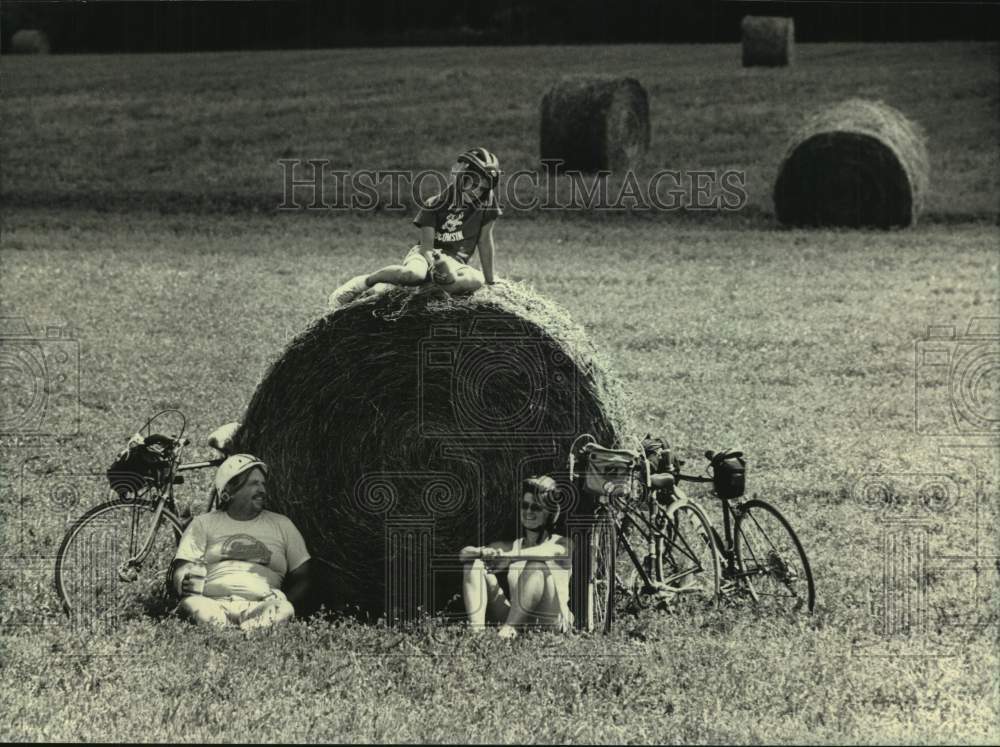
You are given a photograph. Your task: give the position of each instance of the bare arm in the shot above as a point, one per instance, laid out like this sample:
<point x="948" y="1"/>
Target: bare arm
<point x="297" y="587"/>
<point x="427" y="244"/>
<point x="179" y="583"/>
<point x="492" y="551"/>
<point x="487" y="252"/>
<point x="548" y="550"/>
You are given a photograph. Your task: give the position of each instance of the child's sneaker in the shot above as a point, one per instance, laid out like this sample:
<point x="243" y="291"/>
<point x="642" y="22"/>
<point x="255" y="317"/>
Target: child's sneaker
<point x="348" y="292"/>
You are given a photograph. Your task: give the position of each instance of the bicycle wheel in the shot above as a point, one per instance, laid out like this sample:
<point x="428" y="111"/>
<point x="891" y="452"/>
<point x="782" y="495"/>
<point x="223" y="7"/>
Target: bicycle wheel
<point x="770" y="559"/>
<point x="102" y="576"/>
<point x="687" y="559"/>
<point x="601" y="579"/>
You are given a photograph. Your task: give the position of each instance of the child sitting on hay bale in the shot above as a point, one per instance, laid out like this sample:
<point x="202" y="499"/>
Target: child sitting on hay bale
<point x="452" y="225"/>
<point x="538" y="570"/>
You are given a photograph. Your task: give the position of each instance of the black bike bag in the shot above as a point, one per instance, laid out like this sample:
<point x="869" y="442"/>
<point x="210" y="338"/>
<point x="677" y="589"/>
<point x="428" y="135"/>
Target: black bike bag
<point x="729" y="474"/>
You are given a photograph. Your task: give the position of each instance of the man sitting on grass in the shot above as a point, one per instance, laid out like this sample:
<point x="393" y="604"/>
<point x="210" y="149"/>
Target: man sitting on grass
<point x="231" y="563"/>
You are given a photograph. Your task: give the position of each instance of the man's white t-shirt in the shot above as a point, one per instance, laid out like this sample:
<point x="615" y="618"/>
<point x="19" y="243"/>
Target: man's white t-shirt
<point x="243" y="558"/>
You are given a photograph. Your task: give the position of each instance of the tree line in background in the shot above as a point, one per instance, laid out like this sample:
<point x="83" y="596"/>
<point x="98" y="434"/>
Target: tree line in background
<point x="102" y="26"/>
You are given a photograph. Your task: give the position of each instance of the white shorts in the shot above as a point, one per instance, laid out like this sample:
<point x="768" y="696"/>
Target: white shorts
<point x="237" y="609"/>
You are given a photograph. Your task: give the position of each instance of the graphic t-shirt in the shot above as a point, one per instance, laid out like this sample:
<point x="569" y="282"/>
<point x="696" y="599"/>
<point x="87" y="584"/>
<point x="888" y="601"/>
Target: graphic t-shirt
<point x="244" y="558"/>
<point x="457" y="227"/>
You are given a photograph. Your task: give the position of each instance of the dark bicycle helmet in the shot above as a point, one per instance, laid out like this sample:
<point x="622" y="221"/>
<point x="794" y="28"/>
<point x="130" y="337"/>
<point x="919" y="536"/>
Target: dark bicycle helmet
<point x="484" y="163"/>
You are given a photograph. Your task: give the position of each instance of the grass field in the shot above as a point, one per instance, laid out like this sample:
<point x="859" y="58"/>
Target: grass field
<point x="798" y="346"/>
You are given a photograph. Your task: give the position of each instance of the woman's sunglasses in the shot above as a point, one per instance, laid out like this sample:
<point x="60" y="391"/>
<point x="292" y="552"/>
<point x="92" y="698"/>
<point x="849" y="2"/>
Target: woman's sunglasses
<point x="532" y="506"/>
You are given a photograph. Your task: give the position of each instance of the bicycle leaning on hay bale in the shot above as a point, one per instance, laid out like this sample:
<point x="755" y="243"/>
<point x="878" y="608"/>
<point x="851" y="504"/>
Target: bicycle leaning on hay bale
<point x="673" y="549"/>
<point x="114" y="560"/>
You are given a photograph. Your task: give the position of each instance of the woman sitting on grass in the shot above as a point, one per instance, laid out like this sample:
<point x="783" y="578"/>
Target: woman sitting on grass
<point x="538" y="570"/>
<point x="231" y="563"/>
<point x="452" y="226"/>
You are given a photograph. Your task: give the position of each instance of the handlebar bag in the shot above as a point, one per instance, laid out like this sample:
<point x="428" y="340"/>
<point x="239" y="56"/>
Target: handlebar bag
<point x="140" y="464"/>
<point x="603" y="467"/>
<point x="729" y="475"/>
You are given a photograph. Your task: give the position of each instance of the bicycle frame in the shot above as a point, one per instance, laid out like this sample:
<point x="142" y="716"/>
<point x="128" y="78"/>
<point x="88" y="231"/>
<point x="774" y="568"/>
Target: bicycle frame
<point x="165" y="502"/>
<point x="650" y="520"/>
<point x="726" y="544"/>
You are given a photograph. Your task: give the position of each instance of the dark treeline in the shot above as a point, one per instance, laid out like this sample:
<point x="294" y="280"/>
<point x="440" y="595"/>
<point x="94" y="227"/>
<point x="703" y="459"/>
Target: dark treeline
<point x="105" y="26"/>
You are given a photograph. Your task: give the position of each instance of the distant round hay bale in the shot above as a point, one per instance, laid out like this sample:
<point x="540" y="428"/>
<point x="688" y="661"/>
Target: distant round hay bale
<point x="29" y="41"/>
<point x="768" y="41"/>
<point x="399" y="428"/>
<point x="595" y="123"/>
<point x="859" y="163"/>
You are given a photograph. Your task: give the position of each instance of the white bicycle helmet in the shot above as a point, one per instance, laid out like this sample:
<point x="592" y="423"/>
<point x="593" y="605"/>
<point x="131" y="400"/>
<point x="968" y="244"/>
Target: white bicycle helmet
<point x="235" y="465"/>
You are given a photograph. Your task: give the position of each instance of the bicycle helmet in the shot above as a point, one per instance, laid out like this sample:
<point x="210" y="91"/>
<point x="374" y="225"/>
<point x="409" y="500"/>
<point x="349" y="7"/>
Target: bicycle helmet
<point x="236" y="465"/>
<point x="483" y="163"/>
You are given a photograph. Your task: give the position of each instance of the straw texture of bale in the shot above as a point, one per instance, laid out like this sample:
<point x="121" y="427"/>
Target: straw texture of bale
<point x="595" y="123"/>
<point x="857" y="164"/>
<point x="29" y="41"/>
<point x="408" y="410"/>
<point x="768" y="41"/>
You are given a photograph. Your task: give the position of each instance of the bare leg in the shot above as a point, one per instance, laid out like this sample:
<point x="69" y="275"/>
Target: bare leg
<point x="455" y="277"/>
<point x="481" y="591"/>
<point x="466" y="280"/>
<point x="397" y="275"/>
<point x="412" y="271"/>
<point x="202" y="611"/>
<point x="535" y="598"/>
<point x="273" y="613"/>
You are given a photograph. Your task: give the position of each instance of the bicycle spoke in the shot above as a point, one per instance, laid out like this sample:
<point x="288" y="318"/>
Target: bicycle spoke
<point x="771" y="559"/>
<point x="689" y="560"/>
<point x="96" y="581"/>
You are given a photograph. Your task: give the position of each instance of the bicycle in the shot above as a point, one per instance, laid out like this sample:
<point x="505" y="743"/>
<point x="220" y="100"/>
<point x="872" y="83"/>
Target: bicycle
<point x="641" y="509"/>
<point x="115" y="560"/>
<point x="762" y="555"/>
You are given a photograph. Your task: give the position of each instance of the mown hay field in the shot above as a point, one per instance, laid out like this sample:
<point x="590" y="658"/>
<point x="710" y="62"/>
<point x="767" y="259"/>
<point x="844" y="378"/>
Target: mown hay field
<point x="800" y="346"/>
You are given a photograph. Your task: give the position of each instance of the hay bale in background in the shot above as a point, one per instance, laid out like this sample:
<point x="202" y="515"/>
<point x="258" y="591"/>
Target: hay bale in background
<point x="768" y="41"/>
<point x="859" y="163"/>
<point x="595" y="123"/>
<point x="402" y="425"/>
<point x="29" y="41"/>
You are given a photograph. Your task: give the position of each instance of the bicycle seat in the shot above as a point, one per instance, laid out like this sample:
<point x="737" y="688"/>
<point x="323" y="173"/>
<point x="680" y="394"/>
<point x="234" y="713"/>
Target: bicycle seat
<point x="219" y="438"/>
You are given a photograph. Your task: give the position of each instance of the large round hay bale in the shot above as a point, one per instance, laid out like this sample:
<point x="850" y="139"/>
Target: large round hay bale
<point x="398" y="429"/>
<point x="768" y="41"/>
<point x="29" y="41"/>
<point x="859" y="163"/>
<point x="595" y="123"/>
